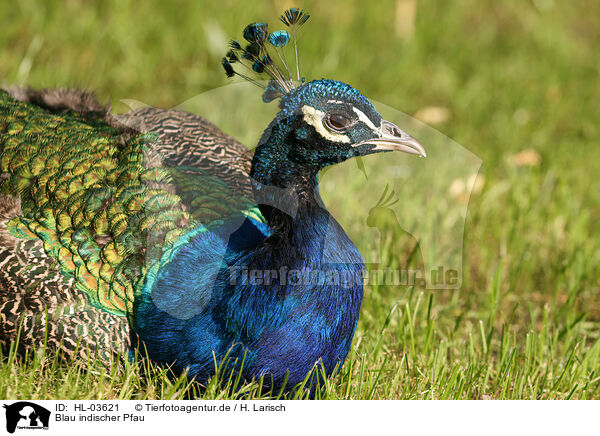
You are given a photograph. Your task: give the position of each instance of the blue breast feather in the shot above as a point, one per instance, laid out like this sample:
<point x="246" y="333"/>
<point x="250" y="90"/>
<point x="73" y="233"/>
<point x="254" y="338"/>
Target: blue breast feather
<point x="200" y="301"/>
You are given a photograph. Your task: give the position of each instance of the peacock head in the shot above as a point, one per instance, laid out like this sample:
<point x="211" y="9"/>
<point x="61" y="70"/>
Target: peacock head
<point x="321" y="122"/>
<point x="328" y="121"/>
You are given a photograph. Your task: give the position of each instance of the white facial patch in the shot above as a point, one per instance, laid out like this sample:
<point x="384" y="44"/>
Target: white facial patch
<point x="365" y="119"/>
<point x="314" y="118"/>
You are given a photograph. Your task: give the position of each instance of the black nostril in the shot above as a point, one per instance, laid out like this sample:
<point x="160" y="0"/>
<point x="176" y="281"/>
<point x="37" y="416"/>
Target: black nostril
<point x="392" y="130"/>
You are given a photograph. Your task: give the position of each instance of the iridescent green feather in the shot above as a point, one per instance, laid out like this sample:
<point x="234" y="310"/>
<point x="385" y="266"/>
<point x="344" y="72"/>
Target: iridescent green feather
<point x="87" y="193"/>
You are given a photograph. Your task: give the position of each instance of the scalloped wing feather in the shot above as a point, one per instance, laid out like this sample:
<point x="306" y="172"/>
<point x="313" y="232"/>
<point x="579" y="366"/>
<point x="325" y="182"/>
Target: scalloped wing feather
<point x="106" y="200"/>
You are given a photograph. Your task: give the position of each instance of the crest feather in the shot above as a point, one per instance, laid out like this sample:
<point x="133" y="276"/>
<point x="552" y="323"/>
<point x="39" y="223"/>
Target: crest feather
<point x="294" y="17"/>
<point x="259" y="55"/>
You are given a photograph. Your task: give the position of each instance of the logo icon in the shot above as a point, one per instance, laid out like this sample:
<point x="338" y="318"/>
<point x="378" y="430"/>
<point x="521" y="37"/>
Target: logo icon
<point x="26" y="415"/>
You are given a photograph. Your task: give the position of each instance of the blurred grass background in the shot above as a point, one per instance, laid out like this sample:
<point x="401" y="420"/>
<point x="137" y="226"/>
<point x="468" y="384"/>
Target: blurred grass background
<point x="515" y="82"/>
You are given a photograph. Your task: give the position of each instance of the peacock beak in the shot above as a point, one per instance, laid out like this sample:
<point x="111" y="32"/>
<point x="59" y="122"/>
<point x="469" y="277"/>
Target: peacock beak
<point x="392" y="138"/>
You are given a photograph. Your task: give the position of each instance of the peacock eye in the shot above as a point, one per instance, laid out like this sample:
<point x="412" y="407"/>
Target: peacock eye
<point x="337" y="122"/>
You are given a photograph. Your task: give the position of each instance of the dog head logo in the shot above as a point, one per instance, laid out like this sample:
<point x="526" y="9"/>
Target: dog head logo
<point x="26" y="415"/>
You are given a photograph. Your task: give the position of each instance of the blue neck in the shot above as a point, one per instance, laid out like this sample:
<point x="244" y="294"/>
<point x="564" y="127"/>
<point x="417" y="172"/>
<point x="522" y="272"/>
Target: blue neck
<point x="285" y="189"/>
<point x="304" y="234"/>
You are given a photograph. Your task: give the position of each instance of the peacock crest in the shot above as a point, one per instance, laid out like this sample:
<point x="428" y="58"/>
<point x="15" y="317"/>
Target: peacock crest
<point x="263" y="55"/>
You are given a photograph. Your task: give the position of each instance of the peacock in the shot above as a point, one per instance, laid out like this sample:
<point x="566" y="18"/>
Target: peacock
<point x="153" y="231"/>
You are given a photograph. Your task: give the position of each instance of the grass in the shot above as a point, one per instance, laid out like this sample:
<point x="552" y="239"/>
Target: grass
<point x="514" y="76"/>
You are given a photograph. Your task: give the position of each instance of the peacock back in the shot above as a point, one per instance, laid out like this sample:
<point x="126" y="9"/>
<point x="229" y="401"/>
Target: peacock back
<point x="90" y="202"/>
